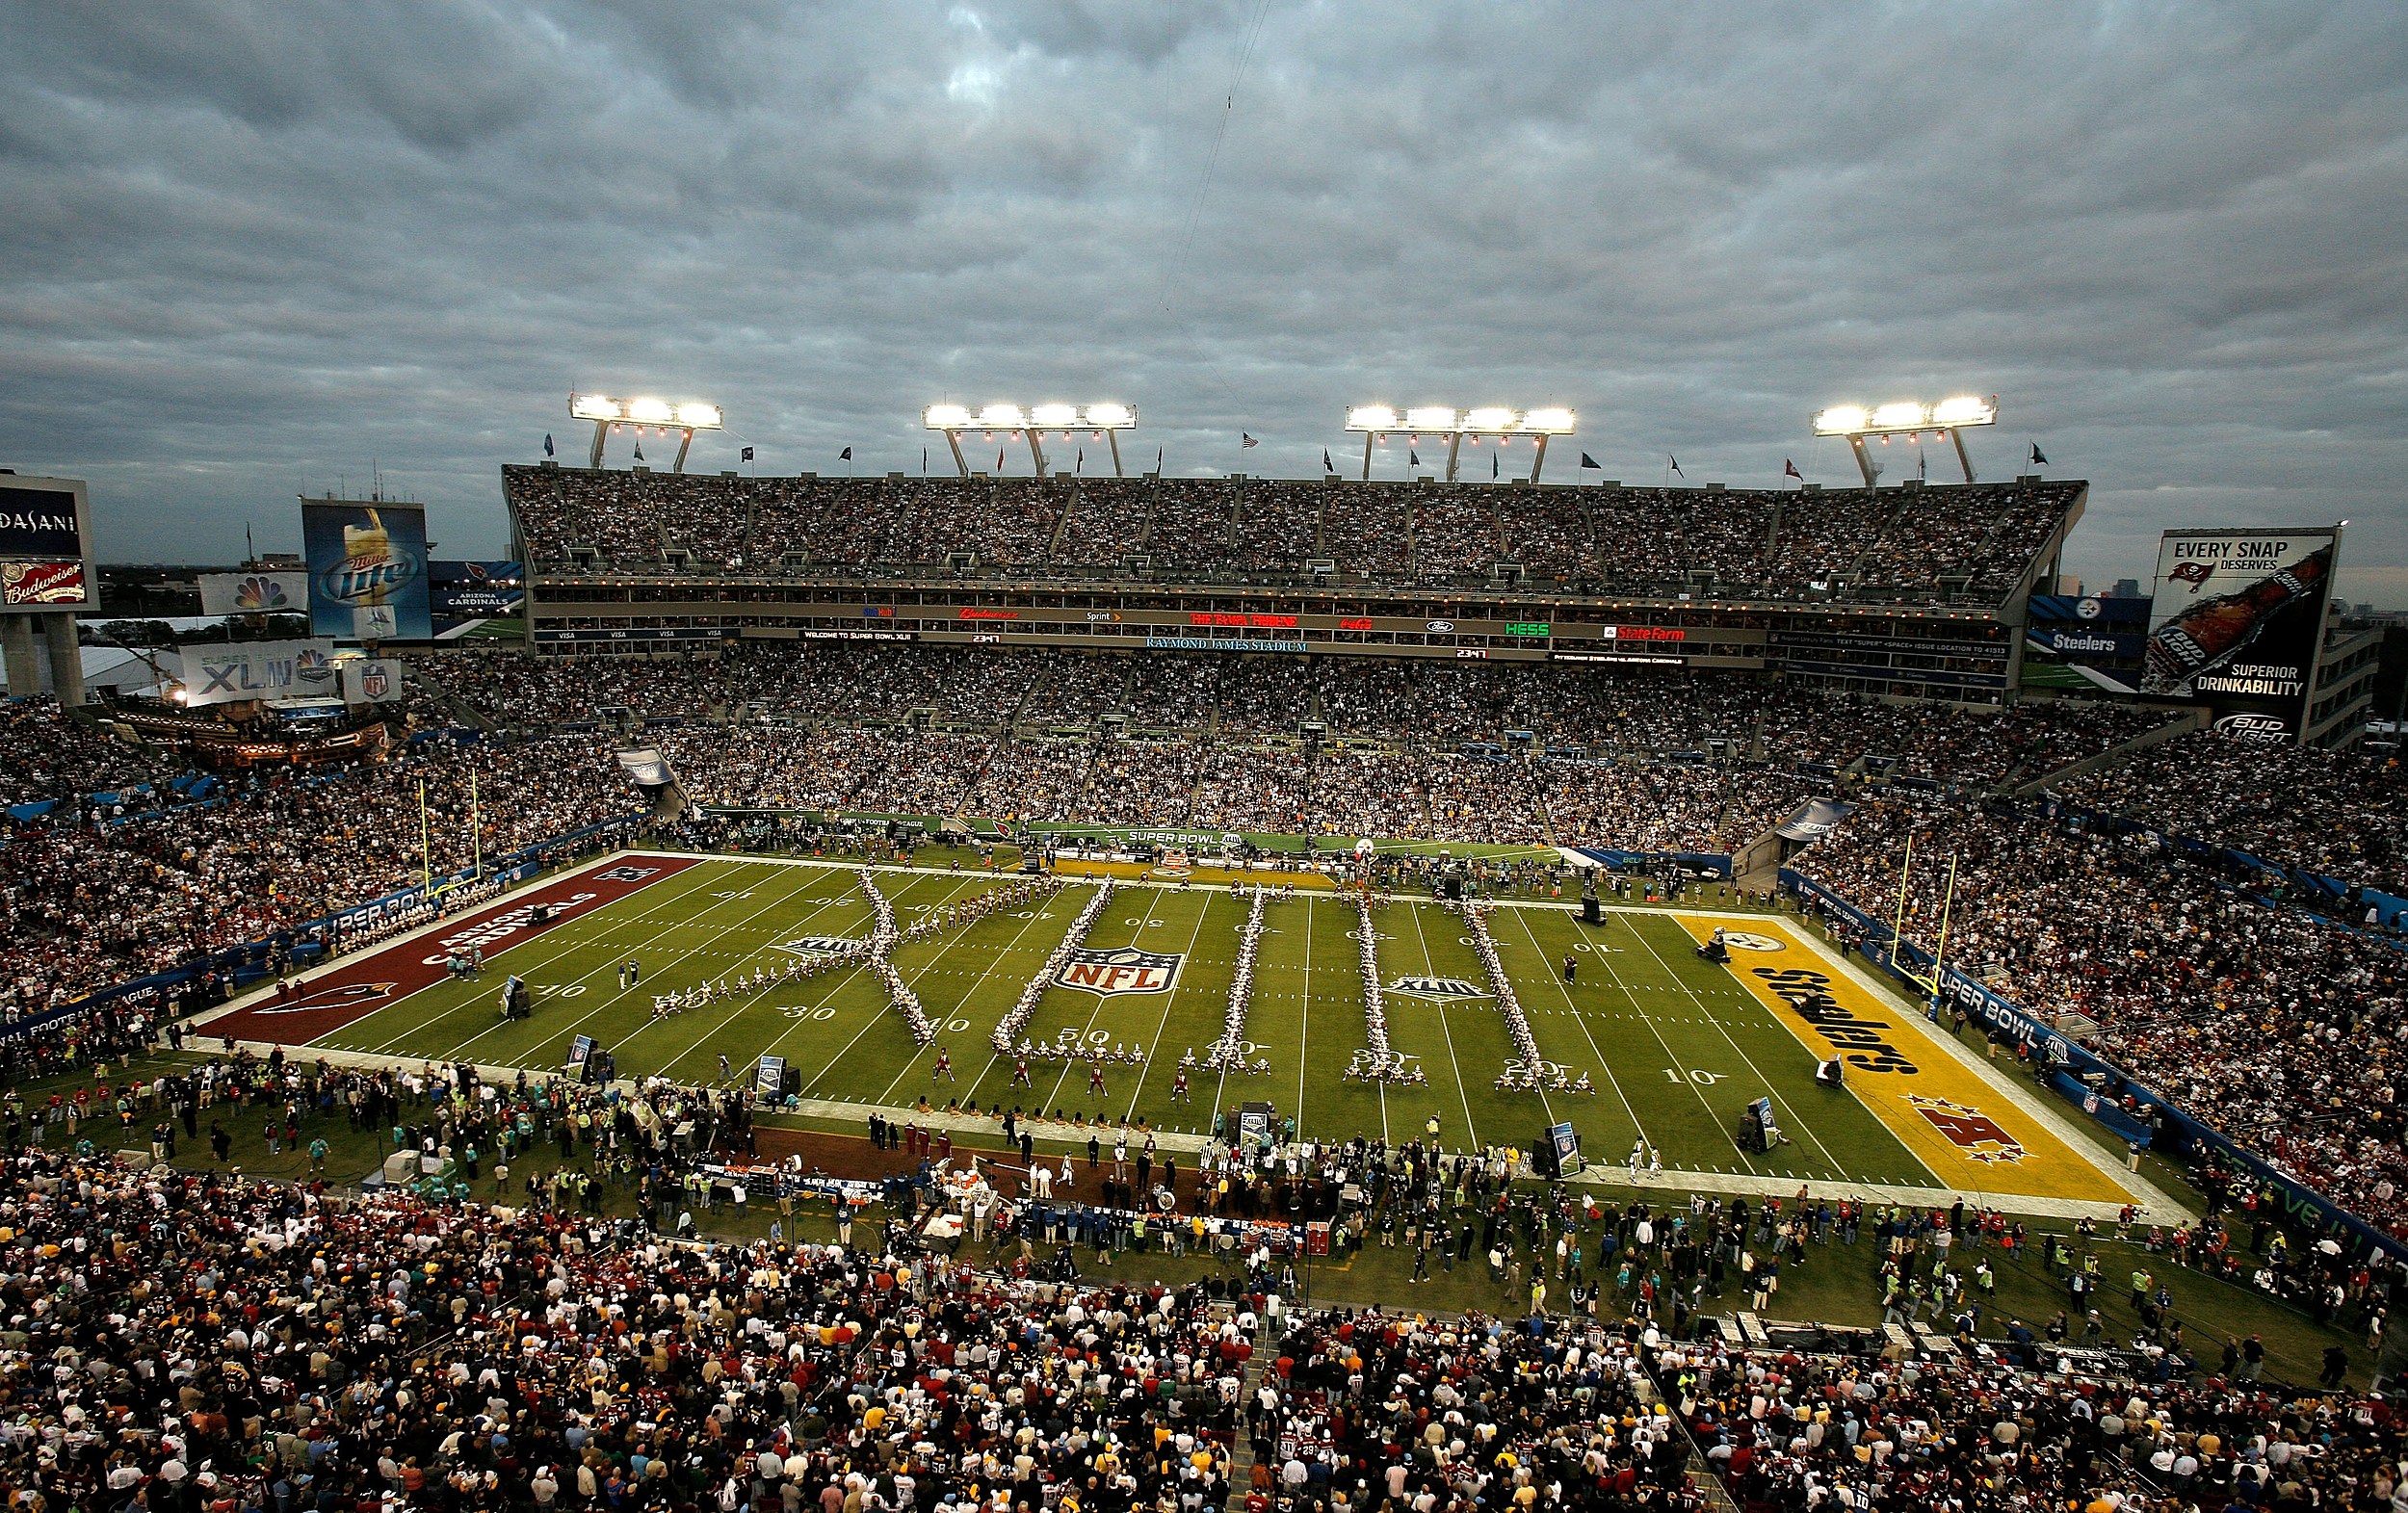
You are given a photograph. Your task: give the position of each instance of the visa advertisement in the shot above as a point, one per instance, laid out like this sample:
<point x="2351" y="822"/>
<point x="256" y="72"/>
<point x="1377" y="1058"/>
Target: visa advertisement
<point x="2237" y="623"/>
<point x="367" y="564"/>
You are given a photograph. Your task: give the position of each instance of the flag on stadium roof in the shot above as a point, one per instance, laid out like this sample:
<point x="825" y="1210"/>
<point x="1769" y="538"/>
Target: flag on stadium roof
<point x="1414" y="453"/>
<point x="999" y="459"/>
<point x="2037" y="460"/>
<point x="1080" y="466"/>
<point x="1790" y="469"/>
<point x="1245" y="440"/>
<point x="639" y="450"/>
<point x="1589" y="462"/>
<point x="1492" y="464"/>
<point x="547" y="445"/>
<point x="748" y="454"/>
<point x="844" y="456"/>
<point x="1676" y="463"/>
<point x="1325" y="467"/>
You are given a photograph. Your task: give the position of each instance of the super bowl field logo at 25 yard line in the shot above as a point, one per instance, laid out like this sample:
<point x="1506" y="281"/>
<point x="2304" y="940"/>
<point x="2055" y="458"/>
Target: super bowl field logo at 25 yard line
<point x="1968" y="1133"/>
<point x="1109" y="972"/>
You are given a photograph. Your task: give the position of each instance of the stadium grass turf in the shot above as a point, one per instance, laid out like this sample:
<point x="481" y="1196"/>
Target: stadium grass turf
<point x="1673" y="1046"/>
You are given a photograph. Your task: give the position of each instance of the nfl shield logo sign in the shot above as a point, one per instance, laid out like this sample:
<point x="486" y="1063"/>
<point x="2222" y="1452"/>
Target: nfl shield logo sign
<point x="1126" y="970"/>
<point x="376" y="683"/>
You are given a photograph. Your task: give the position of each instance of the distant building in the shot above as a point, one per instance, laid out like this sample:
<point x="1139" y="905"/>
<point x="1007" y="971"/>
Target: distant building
<point x="2125" y="588"/>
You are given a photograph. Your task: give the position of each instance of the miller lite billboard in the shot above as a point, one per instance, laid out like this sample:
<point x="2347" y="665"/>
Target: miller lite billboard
<point x="45" y="546"/>
<point x="367" y="563"/>
<point x="2237" y="623"/>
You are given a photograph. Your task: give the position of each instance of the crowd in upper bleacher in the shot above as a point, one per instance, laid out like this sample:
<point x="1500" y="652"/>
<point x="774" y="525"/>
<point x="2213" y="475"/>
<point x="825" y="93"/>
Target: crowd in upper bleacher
<point x="1970" y="543"/>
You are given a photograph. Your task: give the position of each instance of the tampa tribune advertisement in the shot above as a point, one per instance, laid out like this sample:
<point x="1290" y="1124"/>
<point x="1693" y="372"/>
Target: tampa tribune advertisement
<point x="2237" y="622"/>
<point x="367" y="570"/>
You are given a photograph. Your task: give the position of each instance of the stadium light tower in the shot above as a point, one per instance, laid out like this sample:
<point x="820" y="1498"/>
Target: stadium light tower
<point x="1907" y="418"/>
<point x="1374" y="420"/>
<point x="1033" y="422"/>
<point x="685" y="417"/>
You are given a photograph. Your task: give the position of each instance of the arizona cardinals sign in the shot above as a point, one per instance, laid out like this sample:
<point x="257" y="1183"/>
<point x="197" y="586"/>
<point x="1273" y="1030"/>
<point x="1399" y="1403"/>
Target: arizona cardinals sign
<point x="1106" y="974"/>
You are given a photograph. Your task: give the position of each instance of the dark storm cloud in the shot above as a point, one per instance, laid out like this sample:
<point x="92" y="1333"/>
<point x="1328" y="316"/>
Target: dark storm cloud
<point x="249" y="246"/>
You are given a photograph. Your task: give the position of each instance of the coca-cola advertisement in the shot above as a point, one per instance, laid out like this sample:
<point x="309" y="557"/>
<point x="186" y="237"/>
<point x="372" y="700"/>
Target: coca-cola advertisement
<point x="2237" y="622"/>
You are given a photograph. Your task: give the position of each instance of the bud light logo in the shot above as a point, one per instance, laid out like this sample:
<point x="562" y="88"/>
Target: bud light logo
<point x="2265" y="730"/>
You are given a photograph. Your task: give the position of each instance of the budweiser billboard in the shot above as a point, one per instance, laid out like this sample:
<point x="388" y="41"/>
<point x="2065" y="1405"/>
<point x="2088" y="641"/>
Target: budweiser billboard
<point x="2237" y="622"/>
<point x="42" y="583"/>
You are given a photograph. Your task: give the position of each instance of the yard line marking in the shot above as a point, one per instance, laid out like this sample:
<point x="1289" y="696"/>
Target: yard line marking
<point x="1652" y="1028"/>
<point x="709" y="871"/>
<point x="1471" y="1129"/>
<point x="713" y="933"/>
<point x="754" y="1001"/>
<point x="1001" y="955"/>
<point x="1762" y="1080"/>
<point x="1097" y="1012"/>
<point x="1304" y="1034"/>
<point x="851" y="974"/>
<point x="1154" y="1047"/>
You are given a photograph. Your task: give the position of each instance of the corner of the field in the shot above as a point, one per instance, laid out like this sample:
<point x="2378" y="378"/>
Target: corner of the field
<point x="2040" y="1107"/>
<point x="265" y="989"/>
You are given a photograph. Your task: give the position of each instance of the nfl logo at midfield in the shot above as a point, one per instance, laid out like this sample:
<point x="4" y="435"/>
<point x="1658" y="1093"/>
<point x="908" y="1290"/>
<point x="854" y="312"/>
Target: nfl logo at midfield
<point x="1125" y="970"/>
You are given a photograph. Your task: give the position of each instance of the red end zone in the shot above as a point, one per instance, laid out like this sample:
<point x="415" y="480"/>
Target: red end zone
<point x="354" y="988"/>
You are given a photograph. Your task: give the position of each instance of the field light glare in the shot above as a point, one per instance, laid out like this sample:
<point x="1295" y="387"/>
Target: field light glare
<point x="1445" y="420"/>
<point x="686" y="415"/>
<point x="1906" y="415"/>
<point x="1041" y="417"/>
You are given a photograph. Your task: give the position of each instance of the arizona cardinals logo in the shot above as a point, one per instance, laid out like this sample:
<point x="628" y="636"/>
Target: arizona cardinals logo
<point x="1975" y="1135"/>
<point x="1106" y="974"/>
<point x="353" y="995"/>
<point x="2195" y="574"/>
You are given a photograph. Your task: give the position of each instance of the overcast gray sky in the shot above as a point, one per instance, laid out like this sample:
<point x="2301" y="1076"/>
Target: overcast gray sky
<point x="247" y="247"/>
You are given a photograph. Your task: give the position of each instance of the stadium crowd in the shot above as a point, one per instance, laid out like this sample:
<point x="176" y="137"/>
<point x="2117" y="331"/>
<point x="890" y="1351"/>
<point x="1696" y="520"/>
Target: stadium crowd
<point x="103" y="895"/>
<point x="185" y="1338"/>
<point x="2288" y="1033"/>
<point x="1958" y="543"/>
<point x="2341" y="813"/>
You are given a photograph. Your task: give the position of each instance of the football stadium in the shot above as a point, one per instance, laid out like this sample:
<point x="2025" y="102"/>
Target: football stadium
<point x="1044" y="976"/>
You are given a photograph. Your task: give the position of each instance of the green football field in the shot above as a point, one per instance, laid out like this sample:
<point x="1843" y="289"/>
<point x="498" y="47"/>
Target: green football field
<point x="1674" y="1045"/>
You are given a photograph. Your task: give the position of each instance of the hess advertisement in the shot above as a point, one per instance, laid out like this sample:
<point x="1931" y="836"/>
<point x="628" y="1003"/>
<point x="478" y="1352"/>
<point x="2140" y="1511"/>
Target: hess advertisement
<point x="367" y="569"/>
<point x="2237" y="622"/>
